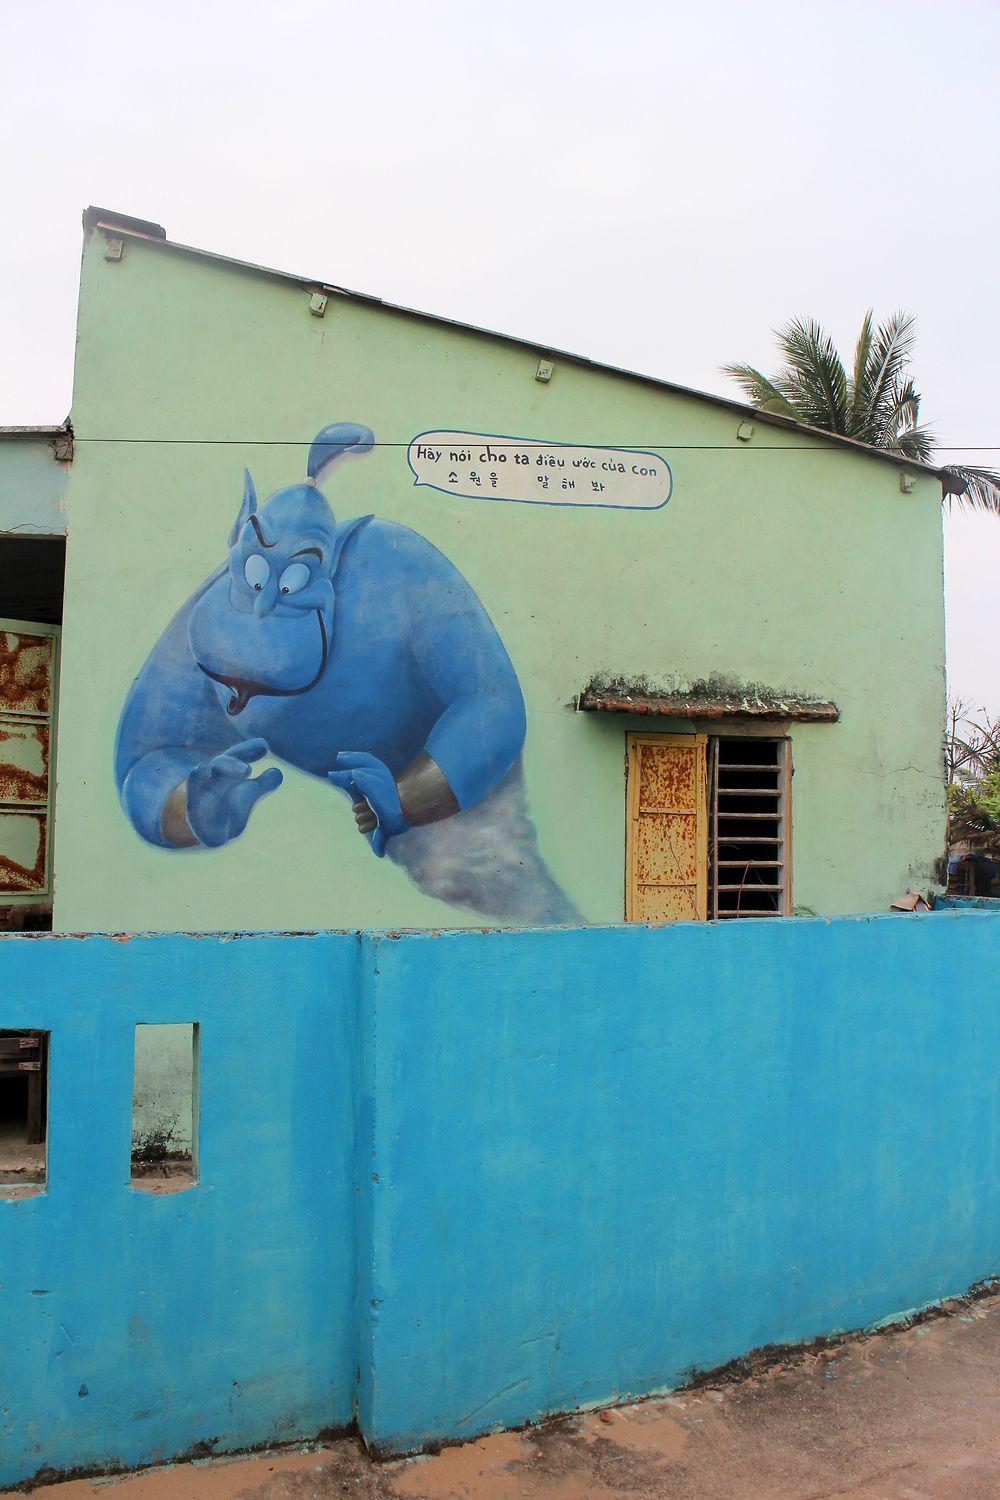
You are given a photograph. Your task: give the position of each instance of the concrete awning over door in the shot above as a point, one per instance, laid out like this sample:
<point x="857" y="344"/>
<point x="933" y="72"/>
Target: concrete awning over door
<point x="709" y="704"/>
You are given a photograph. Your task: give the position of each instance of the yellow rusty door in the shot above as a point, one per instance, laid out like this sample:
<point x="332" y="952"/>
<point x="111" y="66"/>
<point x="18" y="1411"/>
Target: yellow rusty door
<point x="666" y="854"/>
<point x="28" y="666"/>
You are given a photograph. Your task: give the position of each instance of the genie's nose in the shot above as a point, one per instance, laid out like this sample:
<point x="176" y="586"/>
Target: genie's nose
<point x="264" y="603"/>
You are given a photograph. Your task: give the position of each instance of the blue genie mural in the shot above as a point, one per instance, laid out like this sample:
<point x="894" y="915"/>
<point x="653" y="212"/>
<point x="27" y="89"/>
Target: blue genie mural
<point x="357" y="652"/>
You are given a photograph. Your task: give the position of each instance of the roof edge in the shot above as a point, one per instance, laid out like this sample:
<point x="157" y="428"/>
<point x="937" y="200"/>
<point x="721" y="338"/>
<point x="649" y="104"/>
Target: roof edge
<point x="97" y="218"/>
<point x="108" y="218"/>
<point x="31" y="432"/>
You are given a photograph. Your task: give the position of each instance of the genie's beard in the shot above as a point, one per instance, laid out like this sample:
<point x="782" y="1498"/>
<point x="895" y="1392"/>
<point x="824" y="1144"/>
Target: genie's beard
<point x="245" y="688"/>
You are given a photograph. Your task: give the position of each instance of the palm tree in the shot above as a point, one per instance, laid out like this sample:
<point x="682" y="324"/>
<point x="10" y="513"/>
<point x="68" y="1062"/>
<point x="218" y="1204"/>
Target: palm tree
<point x="877" y="403"/>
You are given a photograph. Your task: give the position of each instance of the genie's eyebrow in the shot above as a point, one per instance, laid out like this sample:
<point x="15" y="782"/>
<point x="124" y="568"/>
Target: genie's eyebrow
<point x="309" y="552"/>
<point x="260" y="535"/>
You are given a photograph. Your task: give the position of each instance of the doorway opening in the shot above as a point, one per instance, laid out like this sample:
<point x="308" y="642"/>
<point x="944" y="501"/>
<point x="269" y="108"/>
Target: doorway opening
<point x="24" y="1059"/>
<point x="32" y="573"/>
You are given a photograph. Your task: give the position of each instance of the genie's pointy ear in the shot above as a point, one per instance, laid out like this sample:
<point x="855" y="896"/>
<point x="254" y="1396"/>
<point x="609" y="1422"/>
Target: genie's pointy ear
<point x="343" y="534"/>
<point x="247" y="509"/>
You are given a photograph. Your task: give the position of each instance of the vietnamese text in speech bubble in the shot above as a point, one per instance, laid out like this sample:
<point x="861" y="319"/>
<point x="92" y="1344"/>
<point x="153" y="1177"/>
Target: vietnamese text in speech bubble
<point x="487" y="466"/>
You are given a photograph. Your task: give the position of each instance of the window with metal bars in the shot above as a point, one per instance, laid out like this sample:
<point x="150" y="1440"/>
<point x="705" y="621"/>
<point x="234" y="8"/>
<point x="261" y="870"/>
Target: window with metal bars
<point x="708" y="830"/>
<point x="749" y="847"/>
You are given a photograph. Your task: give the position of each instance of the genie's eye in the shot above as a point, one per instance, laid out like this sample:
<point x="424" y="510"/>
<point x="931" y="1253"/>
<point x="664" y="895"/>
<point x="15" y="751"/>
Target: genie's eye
<point x="256" y="571"/>
<point x="295" y="577"/>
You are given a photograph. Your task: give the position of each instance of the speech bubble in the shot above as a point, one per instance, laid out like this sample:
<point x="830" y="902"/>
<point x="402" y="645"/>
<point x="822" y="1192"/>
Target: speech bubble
<point x="489" y="466"/>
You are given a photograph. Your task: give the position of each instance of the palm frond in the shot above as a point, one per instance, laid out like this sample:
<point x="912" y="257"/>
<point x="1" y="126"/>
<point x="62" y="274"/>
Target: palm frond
<point x="761" y="392"/>
<point x="916" y="444"/>
<point x="982" y="488"/>
<point x="885" y="370"/>
<point x="815" y="381"/>
<point x="878" y="404"/>
<point x="859" y="379"/>
<point x="898" y="427"/>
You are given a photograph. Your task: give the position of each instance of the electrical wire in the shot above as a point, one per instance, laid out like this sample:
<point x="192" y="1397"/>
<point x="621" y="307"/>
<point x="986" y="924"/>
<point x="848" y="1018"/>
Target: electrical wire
<point x="657" y="443"/>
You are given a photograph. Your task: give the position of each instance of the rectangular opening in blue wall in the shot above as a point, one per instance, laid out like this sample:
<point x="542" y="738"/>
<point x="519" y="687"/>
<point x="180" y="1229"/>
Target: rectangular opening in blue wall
<point x="165" y="1107"/>
<point x="24" y="1059"/>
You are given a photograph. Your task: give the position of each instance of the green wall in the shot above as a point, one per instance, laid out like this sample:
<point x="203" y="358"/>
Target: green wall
<point x="32" y="486"/>
<point x="782" y="561"/>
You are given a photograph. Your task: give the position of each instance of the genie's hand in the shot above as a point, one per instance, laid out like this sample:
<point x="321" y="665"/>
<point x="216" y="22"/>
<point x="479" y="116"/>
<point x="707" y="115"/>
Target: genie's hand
<point x="376" y="798"/>
<point x="221" y="793"/>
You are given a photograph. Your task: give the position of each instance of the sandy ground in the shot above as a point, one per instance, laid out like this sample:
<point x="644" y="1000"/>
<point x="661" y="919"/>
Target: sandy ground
<point x="901" y="1415"/>
<point x="170" y="1175"/>
<point x="22" y="1167"/>
<point x="19" y="1162"/>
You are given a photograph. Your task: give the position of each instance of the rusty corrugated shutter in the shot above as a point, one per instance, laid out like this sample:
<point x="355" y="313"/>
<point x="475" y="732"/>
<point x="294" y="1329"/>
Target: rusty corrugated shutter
<point x="28" y="667"/>
<point x="667" y="828"/>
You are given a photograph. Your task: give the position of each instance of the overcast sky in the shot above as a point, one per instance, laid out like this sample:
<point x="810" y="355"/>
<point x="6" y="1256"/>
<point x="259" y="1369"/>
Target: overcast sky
<point x="655" y="185"/>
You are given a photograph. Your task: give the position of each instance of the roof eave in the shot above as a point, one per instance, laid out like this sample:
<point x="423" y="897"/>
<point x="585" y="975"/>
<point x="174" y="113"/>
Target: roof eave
<point x="143" y="229"/>
<point x="32" y="432"/>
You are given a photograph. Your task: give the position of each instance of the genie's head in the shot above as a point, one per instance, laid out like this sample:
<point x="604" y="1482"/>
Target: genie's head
<point x="270" y="632"/>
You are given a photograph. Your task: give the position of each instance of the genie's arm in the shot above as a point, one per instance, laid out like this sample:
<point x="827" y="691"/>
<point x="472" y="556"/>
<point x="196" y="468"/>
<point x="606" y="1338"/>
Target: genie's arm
<point x="181" y="779"/>
<point x="152" y="794"/>
<point x="152" y="760"/>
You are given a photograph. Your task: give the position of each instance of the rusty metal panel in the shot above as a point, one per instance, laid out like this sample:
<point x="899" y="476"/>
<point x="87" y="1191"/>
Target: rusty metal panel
<point x="666" y="854"/>
<point x="666" y="846"/>
<point x="24" y="760"/>
<point x="26" y="672"/>
<point x="665" y="903"/>
<point x="23" y="853"/>
<point x="29" y="664"/>
<point x="667" y="782"/>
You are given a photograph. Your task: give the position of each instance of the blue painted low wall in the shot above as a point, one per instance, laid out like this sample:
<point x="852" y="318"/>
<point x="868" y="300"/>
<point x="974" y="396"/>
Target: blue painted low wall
<point x="133" y="1326"/>
<point x="459" y="1180"/>
<point x="607" y="1158"/>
